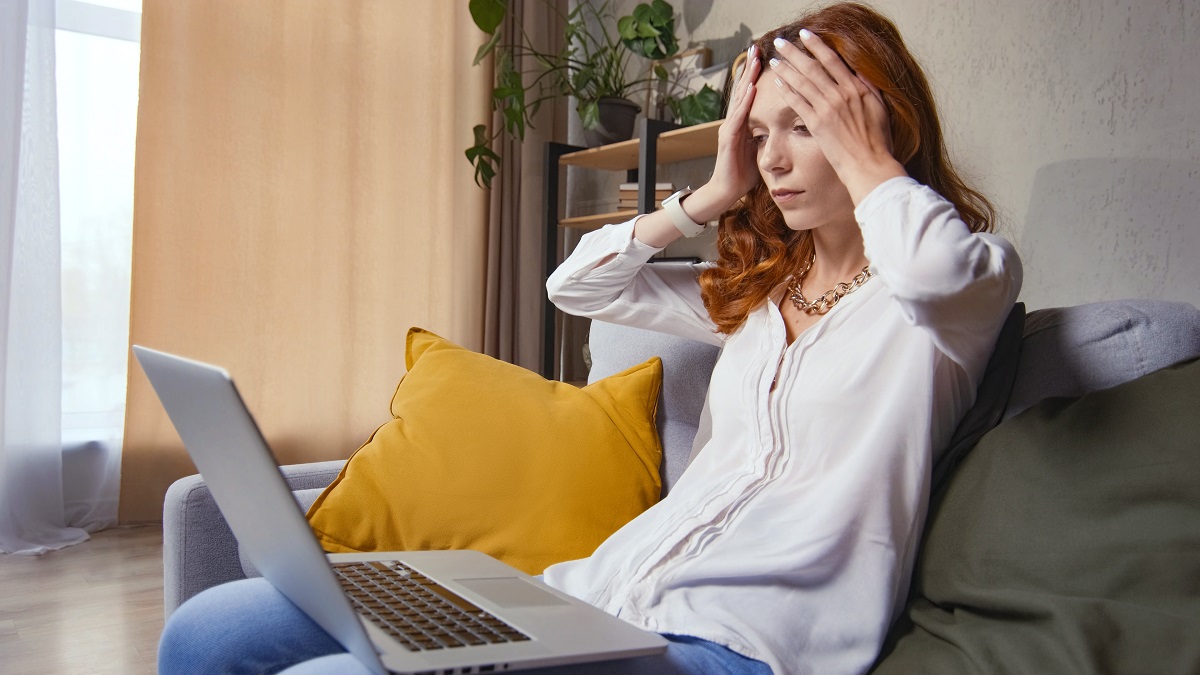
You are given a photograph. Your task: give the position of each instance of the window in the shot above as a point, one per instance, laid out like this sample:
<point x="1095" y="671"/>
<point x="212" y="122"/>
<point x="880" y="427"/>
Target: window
<point x="97" y="55"/>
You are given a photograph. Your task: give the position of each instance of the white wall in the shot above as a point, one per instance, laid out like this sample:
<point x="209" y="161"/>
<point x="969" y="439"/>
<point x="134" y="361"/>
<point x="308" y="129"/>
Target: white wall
<point x="1079" y="119"/>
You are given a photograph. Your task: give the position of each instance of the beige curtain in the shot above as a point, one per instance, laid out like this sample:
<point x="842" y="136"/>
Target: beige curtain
<point x="301" y="200"/>
<point x="516" y="238"/>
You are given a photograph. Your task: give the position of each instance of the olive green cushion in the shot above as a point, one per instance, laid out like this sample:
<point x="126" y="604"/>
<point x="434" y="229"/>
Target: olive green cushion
<point x="1067" y="541"/>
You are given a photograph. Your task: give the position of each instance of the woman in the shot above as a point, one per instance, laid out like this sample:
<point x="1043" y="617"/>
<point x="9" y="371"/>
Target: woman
<point x="856" y="298"/>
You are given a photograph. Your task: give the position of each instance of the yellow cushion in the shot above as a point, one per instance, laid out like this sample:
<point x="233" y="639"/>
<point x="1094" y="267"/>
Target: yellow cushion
<point x="485" y="455"/>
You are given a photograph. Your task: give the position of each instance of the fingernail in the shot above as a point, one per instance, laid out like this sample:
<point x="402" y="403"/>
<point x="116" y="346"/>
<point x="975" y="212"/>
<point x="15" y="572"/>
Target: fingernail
<point x="774" y="63"/>
<point x="750" y="52"/>
<point x="779" y="42"/>
<point x="778" y="83"/>
<point x="805" y="34"/>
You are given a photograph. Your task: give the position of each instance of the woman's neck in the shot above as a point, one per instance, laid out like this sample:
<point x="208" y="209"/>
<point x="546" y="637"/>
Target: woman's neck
<point x="840" y="255"/>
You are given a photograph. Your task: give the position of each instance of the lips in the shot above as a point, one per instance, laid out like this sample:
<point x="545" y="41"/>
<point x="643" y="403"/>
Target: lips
<point x="782" y="196"/>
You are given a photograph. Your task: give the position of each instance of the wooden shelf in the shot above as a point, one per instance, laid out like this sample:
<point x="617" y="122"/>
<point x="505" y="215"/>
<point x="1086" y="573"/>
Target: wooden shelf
<point x="671" y="144"/>
<point x="676" y="145"/>
<point x="597" y="221"/>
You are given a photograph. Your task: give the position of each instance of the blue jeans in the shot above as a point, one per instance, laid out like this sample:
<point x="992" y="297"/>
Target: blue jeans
<point x="249" y="627"/>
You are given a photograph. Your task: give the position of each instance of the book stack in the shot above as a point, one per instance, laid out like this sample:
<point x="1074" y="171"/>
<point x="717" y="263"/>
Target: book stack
<point x="629" y="195"/>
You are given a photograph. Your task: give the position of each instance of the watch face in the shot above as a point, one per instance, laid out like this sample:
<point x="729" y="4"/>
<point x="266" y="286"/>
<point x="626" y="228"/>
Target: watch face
<point x="679" y="194"/>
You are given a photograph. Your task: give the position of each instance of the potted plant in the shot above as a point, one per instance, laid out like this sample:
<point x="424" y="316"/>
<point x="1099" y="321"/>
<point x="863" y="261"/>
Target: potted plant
<point x="593" y="67"/>
<point x="696" y="107"/>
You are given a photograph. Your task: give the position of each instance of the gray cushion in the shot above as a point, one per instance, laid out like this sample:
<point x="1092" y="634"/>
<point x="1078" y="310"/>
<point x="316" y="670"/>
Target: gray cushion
<point x="687" y="365"/>
<point x="1069" y="351"/>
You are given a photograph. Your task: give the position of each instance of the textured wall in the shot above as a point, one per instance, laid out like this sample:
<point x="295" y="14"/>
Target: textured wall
<point x="1081" y="120"/>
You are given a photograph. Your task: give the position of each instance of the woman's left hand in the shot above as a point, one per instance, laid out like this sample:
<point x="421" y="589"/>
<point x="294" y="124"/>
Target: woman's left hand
<point x="844" y="113"/>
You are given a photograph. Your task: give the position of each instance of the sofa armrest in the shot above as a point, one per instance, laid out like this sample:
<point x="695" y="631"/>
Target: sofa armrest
<point x="311" y="475"/>
<point x="199" y="550"/>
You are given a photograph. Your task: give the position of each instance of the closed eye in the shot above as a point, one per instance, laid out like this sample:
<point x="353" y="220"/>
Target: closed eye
<point x="801" y="129"/>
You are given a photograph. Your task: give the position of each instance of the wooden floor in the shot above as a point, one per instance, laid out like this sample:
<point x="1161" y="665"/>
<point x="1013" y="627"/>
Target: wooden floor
<point x="96" y="607"/>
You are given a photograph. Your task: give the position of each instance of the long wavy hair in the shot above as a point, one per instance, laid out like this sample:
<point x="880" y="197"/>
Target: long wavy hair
<point x="756" y="250"/>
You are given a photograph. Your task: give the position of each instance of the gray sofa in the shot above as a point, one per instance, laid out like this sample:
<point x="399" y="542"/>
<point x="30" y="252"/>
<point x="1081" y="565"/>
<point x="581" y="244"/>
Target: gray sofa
<point x="1059" y="352"/>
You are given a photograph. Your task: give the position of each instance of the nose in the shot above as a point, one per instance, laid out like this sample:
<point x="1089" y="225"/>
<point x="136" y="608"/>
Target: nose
<point x="771" y="155"/>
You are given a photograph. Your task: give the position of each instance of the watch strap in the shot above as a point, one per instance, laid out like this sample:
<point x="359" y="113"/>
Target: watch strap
<point x="682" y="221"/>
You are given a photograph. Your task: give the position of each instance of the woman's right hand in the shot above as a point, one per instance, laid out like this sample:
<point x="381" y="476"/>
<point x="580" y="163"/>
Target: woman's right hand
<point x="735" y="170"/>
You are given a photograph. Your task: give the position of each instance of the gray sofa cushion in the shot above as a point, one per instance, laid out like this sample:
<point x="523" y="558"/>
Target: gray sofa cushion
<point x="687" y="365"/>
<point x="1069" y="351"/>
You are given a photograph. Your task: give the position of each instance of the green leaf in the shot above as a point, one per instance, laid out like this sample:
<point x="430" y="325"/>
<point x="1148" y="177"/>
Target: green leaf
<point x="589" y="114"/>
<point x="509" y="83"/>
<point x="670" y="45"/>
<point x="650" y="48"/>
<point x="488" y="14"/>
<point x="514" y="121"/>
<point x="627" y="28"/>
<point x="482" y="157"/>
<point x="698" y="108"/>
<point x="480" y="131"/>
<point x="508" y="97"/>
<point x="582" y="79"/>
<point x="486" y="48"/>
<point x="485" y="171"/>
<point x="488" y="172"/>
<point x="476" y="153"/>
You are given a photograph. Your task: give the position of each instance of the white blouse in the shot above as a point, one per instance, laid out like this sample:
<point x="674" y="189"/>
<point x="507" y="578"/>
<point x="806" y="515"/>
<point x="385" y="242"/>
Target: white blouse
<point x="791" y="536"/>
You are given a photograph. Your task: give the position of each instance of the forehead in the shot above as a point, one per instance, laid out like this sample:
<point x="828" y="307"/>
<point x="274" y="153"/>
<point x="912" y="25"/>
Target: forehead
<point x="768" y="104"/>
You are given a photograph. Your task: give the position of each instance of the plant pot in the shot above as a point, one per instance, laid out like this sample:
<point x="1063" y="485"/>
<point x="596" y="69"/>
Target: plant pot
<point x="617" y="117"/>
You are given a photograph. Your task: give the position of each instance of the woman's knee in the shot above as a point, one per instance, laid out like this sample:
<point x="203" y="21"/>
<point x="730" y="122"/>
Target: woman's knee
<point x="241" y="626"/>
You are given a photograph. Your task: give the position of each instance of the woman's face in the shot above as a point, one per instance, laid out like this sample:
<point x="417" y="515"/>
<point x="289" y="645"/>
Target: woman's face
<point x="801" y="181"/>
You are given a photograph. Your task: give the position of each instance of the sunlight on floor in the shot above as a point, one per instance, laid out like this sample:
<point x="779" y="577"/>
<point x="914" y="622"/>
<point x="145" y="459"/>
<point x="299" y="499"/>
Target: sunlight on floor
<point x="92" y="608"/>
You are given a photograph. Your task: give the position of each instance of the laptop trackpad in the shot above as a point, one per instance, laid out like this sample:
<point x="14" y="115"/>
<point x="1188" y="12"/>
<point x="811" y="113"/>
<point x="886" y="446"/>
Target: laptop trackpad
<point x="511" y="592"/>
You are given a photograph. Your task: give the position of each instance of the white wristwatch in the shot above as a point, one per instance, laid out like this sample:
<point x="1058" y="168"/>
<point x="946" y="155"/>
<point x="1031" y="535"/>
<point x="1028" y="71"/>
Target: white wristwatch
<point x="682" y="221"/>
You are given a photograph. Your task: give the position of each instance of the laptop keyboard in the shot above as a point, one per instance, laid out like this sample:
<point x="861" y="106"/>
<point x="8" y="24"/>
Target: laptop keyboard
<point x="417" y="611"/>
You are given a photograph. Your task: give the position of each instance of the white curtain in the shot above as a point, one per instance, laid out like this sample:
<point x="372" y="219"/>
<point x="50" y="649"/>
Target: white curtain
<point x="31" y="478"/>
<point x="97" y="55"/>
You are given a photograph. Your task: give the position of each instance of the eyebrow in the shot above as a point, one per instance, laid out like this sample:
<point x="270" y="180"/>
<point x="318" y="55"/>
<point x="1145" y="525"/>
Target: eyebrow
<point x="778" y="113"/>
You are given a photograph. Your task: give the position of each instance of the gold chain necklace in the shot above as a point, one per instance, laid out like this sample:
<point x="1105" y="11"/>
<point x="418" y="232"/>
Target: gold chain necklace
<point x="829" y="298"/>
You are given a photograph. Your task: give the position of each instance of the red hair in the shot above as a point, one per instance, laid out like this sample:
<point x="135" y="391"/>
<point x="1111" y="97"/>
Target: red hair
<point x="756" y="250"/>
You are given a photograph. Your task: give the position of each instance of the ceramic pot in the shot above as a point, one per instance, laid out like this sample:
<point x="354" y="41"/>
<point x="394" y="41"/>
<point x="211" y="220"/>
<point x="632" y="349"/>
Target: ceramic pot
<point x="617" y="117"/>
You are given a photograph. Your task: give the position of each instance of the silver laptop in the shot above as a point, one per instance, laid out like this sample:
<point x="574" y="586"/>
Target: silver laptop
<point x="403" y="612"/>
